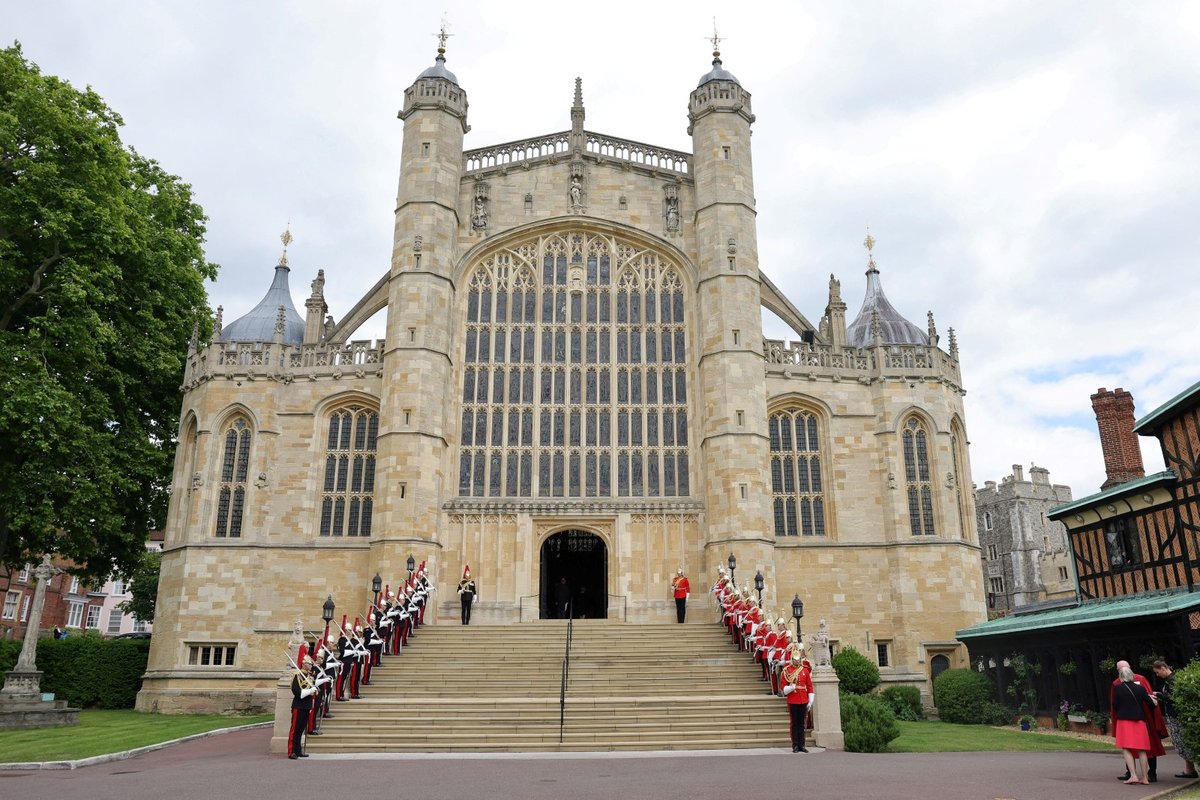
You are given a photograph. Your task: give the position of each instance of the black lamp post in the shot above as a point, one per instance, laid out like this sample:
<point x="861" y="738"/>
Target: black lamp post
<point x="376" y="585"/>
<point x="797" y="613"/>
<point x="412" y="566"/>
<point x="732" y="566"/>
<point x="759" y="585"/>
<point x="327" y="615"/>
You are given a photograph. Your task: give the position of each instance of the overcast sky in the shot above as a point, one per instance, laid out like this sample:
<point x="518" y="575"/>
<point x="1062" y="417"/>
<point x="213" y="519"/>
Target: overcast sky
<point x="1029" y="169"/>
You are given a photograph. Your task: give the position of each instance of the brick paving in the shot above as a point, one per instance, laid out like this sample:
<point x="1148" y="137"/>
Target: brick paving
<point x="236" y="765"/>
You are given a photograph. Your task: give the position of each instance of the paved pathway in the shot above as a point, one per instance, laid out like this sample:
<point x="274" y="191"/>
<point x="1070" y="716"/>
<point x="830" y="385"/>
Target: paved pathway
<point x="236" y="765"/>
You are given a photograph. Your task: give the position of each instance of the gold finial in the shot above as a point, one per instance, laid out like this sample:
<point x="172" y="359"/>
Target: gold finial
<point x="286" y="238"/>
<point x="869" y="243"/>
<point x="716" y="40"/>
<point x="442" y="35"/>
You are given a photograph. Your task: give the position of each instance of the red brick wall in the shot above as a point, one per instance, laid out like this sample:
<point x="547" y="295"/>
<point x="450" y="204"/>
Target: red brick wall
<point x="1114" y="417"/>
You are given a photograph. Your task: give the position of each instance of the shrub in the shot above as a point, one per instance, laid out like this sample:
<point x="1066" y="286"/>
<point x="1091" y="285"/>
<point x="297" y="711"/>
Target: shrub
<point x="855" y="671"/>
<point x="1185" y="693"/>
<point x="867" y="724"/>
<point x="904" y="701"/>
<point x="963" y="696"/>
<point x="996" y="714"/>
<point x="86" y="670"/>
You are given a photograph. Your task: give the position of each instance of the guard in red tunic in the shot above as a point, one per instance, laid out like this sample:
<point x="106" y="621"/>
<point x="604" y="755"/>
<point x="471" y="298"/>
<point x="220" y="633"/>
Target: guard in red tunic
<point x="302" y="692"/>
<point x="682" y="591"/>
<point x="798" y="689"/>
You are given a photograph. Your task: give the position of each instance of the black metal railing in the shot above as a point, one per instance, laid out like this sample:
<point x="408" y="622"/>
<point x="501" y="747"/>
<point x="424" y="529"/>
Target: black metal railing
<point x="566" y="673"/>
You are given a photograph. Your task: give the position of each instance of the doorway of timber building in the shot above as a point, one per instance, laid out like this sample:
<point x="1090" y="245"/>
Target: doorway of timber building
<point x="575" y="576"/>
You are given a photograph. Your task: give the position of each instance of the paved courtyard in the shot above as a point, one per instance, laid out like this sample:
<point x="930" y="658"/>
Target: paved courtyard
<point x="236" y="765"/>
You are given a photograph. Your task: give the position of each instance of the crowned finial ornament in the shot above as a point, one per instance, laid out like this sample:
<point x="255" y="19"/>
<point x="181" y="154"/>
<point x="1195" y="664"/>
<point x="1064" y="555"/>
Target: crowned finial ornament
<point x="442" y="35"/>
<point x="869" y="243"/>
<point x="286" y="238"/>
<point x="716" y="40"/>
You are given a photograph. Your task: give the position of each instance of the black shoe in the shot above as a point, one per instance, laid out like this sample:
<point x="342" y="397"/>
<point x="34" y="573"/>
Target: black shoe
<point x="328" y="716"/>
<point x="1152" y="778"/>
<point x="304" y="755"/>
<point x="795" y="749"/>
<point x="803" y="750"/>
<point x="293" y="756"/>
<point x="1124" y="777"/>
<point x="1186" y="775"/>
<point x="315" y="733"/>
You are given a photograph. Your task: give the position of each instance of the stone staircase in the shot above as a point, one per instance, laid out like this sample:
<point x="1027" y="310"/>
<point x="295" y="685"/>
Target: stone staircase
<point x="496" y="688"/>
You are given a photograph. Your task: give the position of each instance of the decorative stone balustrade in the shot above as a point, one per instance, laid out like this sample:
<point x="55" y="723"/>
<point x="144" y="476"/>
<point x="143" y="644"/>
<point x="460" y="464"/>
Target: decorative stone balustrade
<point x="542" y="148"/>
<point x="285" y="363"/>
<point x="860" y="362"/>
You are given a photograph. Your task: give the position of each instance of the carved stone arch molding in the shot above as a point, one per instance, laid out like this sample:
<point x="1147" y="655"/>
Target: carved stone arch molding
<point x="604" y="528"/>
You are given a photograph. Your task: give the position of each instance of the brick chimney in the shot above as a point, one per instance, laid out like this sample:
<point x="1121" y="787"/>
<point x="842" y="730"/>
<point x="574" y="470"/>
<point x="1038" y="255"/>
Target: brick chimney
<point x="1122" y="456"/>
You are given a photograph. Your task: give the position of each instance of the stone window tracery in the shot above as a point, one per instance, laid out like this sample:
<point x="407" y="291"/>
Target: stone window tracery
<point x="917" y="478"/>
<point x="348" y="487"/>
<point x="235" y="464"/>
<point x="799" y="495"/>
<point x="574" y="380"/>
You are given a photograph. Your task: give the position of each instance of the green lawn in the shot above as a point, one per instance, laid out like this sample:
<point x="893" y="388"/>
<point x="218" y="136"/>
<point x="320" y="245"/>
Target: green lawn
<point x="942" y="737"/>
<point x="100" y="732"/>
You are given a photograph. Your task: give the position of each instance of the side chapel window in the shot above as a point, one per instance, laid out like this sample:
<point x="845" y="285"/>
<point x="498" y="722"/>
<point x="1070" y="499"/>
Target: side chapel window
<point x="348" y="490"/>
<point x="917" y="478"/>
<point x="231" y="498"/>
<point x="799" y="497"/>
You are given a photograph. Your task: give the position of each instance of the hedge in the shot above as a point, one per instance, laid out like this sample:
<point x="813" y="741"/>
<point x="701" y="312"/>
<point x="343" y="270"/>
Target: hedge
<point x="856" y="673"/>
<point x="86" y="670"/>
<point x="1185" y="694"/>
<point x="964" y="696"/>
<point x="904" y="701"/>
<point x="867" y="724"/>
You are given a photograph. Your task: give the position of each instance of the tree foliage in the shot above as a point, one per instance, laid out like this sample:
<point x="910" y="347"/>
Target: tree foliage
<point x="143" y="586"/>
<point x="101" y="281"/>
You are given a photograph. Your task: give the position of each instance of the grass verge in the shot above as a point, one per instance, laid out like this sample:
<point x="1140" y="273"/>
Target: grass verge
<point x="102" y="732"/>
<point x="942" y="737"/>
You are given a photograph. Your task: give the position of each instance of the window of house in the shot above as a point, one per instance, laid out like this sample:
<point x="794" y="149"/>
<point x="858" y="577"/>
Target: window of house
<point x="917" y="478"/>
<point x="231" y="499"/>
<point x="93" y="617"/>
<point x="139" y="625"/>
<point x="996" y="585"/>
<point x="211" y="655"/>
<point x="799" y="494"/>
<point x="11" y="599"/>
<point x="118" y="588"/>
<point x="115" y="616"/>
<point x="575" y="373"/>
<point x="1124" y="548"/>
<point x="74" y="586"/>
<point x="992" y="552"/>
<point x="883" y="652"/>
<point x="348" y="493"/>
<point x="23" y="575"/>
<point x="74" y="615"/>
<point x="28" y="601"/>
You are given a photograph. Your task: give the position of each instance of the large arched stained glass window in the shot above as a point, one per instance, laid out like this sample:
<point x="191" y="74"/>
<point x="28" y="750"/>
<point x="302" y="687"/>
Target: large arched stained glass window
<point x="574" y="379"/>
<point x="917" y="478"/>
<point x="235" y="464"/>
<point x="348" y="489"/>
<point x="799" y="495"/>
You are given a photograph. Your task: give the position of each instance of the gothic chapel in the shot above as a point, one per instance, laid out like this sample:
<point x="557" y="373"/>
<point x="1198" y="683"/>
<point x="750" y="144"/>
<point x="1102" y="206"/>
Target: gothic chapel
<point x="574" y="384"/>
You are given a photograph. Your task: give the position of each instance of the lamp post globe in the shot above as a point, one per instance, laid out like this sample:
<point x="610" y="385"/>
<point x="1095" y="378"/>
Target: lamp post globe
<point x="797" y="613"/>
<point x="732" y="566"/>
<point x="412" y="565"/>
<point x="327" y="614"/>
<point x="376" y="586"/>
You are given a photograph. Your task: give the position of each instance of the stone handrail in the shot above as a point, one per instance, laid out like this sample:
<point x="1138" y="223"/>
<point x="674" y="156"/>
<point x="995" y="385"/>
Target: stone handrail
<point x="528" y="151"/>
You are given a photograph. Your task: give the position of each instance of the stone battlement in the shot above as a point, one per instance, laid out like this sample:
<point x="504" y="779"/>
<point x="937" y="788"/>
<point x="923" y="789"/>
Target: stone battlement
<point x="861" y="363"/>
<point x="538" y="149"/>
<point x="274" y="360"/>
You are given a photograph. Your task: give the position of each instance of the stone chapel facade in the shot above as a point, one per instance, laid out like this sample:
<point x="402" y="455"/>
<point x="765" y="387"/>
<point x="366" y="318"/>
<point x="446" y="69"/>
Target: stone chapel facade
<point x="574" y="383"/>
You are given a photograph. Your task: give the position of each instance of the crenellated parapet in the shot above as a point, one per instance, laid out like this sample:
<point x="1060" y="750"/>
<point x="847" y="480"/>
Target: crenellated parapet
<point x="814" y="360"/>
<point x="283" y="362"/>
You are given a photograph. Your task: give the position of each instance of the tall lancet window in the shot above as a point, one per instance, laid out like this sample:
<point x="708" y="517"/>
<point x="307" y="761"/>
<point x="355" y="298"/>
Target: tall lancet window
<point x="575" y="377"/>
<point x="799" y="494"/>
<point x="348" y="489"/>
<point x="235" y="464"/>
<point x="917" y="478"/>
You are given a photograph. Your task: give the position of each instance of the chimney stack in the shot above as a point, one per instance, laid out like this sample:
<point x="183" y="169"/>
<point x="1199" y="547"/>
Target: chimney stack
<point x="1122" y="456"/>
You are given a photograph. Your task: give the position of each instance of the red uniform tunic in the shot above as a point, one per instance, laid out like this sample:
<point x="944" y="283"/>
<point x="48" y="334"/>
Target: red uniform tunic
<point x="682" y="587"/>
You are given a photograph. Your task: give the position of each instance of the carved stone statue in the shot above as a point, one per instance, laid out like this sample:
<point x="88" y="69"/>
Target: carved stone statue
<point x="318" y="284"/>
<point x="820" y="646"/>
<point x="672" y="214"/>
<point x="576" y="191"/>
<point x="479" y="218"/>
<point x="328" y="325"/>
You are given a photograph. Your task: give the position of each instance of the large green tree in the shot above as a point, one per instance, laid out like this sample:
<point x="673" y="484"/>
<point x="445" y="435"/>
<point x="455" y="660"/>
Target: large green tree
<point x="102" y="276"/>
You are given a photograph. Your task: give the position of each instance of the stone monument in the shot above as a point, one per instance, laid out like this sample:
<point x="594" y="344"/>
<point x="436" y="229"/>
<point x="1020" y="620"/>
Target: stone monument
<point x="21" y="702"/>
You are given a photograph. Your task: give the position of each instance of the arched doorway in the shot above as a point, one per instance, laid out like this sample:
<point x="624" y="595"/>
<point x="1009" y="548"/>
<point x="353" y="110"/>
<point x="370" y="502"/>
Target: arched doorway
<point x="574" y="567"/>
<point x="937" y="665"/>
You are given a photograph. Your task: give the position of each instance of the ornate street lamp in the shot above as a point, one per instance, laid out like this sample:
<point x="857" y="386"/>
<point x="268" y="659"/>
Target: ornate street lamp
<point x="376" y="586"/>
<point x="327" y="615"/>
<point x="797" y="613"/>
<point x="759" y="585"/>
<point x="412" y="566"/>
<point x="732" y="566"/>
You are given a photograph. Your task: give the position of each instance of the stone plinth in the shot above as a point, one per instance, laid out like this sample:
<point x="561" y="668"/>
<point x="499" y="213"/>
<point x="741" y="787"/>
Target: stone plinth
<point x="827" y="710"/>
<point x="22" y="707"/>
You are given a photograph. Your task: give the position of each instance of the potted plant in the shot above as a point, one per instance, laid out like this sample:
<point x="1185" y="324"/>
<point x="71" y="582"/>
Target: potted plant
<point x="1099" y="719"/>
<point x="1077" y="714"/>
<point x="1028" y="721"/>
<point x="1062" y="723"/>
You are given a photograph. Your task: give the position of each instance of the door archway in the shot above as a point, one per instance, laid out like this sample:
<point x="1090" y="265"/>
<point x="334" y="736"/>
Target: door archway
<point x="937" y="665"/>
<point x="574" y="574"/>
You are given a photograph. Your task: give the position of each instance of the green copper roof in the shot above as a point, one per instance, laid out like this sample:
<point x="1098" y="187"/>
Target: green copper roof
<point x="1149" y="424"/>
<point x="1119" y="490"/>
<point x="1147" y="604"/>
